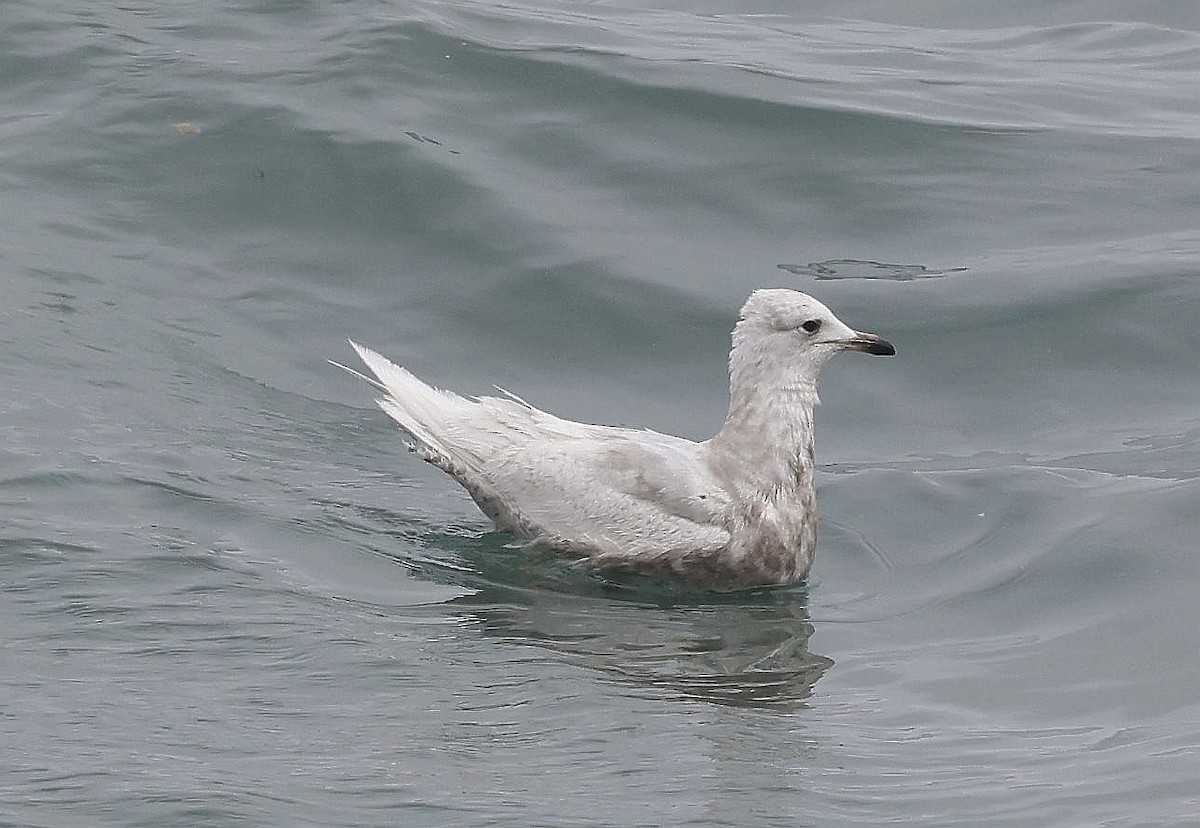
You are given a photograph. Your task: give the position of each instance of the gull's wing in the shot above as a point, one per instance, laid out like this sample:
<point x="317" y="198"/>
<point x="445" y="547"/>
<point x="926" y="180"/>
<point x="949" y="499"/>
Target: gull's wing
<point x="456" y="433"/>
<point x="609" y="492"/>
<point x="594" y="490"/>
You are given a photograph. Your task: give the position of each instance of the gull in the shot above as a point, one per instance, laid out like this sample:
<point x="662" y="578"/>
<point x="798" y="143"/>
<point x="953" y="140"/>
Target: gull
<point x="736" y="511"/>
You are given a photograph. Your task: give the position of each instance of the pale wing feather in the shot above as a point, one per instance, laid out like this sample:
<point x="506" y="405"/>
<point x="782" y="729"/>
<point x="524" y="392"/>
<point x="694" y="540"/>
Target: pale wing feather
<point x="595" y="489"/>
<point x="420" y="409"/>
<point x="619" y="494"/>
<point x="463" y="432"/>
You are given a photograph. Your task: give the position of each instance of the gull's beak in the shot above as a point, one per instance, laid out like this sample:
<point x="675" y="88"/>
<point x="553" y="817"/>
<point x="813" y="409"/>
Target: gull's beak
<point x="869" y="343"/>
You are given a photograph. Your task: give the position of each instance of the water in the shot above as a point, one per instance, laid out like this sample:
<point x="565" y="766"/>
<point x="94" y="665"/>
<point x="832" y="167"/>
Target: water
<point x="228" y="594"/>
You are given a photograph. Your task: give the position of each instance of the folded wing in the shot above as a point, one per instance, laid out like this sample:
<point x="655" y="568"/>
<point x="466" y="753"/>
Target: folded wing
<point x="596" y="491"/>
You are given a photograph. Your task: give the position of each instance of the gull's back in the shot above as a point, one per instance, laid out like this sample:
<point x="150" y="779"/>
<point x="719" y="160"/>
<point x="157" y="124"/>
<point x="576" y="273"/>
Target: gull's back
<point x="619" y="497"/>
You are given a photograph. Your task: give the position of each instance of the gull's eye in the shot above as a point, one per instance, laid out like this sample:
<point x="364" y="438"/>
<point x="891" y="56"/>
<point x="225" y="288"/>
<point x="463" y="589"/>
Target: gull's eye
<point x="811" y="326"/>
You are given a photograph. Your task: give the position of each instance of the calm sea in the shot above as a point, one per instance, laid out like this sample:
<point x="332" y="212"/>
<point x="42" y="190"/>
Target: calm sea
<point x="229" y="596"/>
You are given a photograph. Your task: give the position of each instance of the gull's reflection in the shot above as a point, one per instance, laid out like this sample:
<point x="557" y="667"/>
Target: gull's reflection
<point x="742" y="649"/>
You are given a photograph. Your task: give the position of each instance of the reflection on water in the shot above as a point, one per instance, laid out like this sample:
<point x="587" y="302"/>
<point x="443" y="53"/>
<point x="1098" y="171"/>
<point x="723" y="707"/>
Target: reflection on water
<point x="745" y="650"/>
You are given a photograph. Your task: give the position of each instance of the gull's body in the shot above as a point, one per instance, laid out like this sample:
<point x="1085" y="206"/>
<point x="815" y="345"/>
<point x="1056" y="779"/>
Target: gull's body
<point x="735" y="511"/>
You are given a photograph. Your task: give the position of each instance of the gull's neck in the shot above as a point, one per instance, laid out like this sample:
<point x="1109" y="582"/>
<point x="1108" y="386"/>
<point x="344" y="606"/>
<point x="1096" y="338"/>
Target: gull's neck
<point x="767" y="438"/>
<point x="763" y="456"/>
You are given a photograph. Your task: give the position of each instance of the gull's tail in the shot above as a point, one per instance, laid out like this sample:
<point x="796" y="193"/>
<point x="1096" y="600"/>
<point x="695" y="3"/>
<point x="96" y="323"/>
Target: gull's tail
<point x="421" y="410"/>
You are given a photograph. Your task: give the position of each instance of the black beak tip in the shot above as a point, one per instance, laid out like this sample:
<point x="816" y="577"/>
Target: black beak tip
<point x="881" y="347"/>
<point x="872" y="344"/>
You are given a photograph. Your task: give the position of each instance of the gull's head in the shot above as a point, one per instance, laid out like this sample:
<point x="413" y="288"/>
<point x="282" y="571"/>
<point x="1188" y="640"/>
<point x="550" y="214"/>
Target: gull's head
<point x="789" y="335"/>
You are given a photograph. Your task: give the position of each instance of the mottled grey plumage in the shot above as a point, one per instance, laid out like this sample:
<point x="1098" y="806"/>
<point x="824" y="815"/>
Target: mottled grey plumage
<point x="735" y="511"/>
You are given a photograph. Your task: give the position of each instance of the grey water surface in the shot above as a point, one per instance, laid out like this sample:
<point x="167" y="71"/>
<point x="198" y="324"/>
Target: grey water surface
<point x="229" y="596"/>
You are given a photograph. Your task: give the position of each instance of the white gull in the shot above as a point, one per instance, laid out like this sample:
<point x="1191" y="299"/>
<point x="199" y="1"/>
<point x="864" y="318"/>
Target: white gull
<point x="735" y="511"/>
